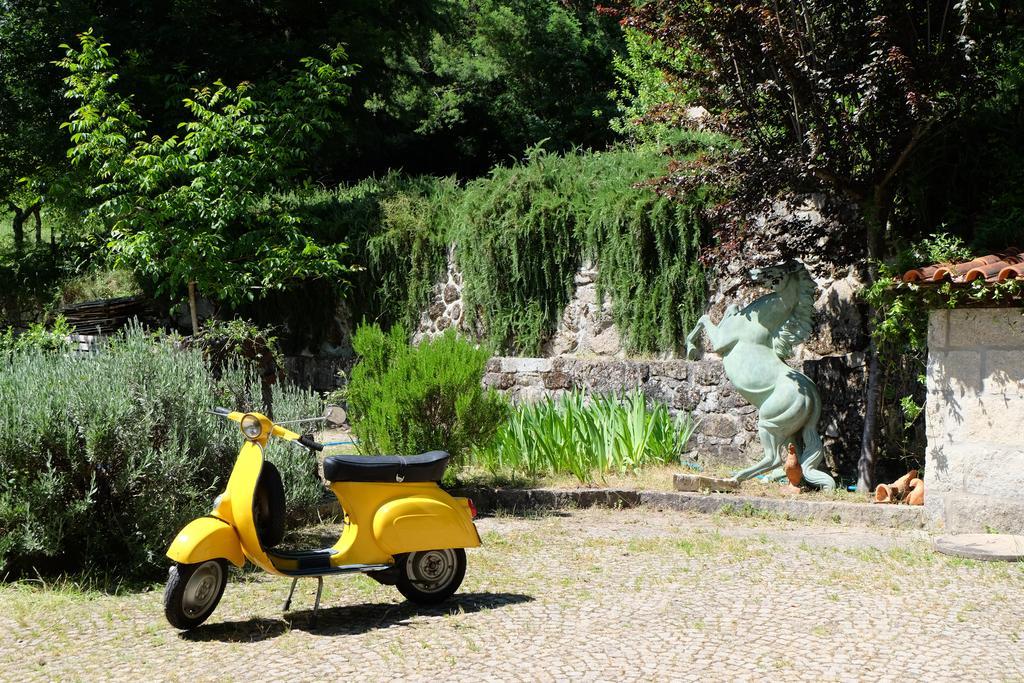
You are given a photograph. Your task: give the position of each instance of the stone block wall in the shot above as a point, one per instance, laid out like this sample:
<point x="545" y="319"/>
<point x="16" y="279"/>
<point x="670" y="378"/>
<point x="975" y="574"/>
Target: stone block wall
<point x="446" y="308"/>
<point x="974" y="464"/>
<point x="728" y="424"/>
<point x="586" y="326"/>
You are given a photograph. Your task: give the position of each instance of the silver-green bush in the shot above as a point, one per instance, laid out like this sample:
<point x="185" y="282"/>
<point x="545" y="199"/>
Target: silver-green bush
<point x="104" y="457"/>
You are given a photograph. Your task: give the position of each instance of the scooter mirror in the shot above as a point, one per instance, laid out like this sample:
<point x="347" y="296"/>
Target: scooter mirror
<point x="335" y="416"/>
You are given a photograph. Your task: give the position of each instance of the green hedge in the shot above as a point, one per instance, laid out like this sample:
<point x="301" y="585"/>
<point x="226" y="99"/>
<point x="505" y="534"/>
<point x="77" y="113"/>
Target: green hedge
<point x="104" y="457"/>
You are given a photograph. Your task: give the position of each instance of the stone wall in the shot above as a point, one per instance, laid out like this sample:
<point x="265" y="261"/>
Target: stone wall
<point x="728" y="431"/>
<point x="586" y="326"/>
<point x="446" y="308"/>
<point x="974" y="464"/>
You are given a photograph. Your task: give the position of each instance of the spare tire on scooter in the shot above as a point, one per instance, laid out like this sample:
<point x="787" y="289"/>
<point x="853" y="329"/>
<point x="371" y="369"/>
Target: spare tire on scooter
<point x="268" y="506"/>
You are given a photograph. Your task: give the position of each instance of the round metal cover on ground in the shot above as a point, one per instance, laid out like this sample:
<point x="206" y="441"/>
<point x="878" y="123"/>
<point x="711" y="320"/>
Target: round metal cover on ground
<point x="991" y="547"/>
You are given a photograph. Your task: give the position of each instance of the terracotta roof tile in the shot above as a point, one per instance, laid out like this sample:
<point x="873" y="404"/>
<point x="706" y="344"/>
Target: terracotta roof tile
<point x="1004" y="265"/>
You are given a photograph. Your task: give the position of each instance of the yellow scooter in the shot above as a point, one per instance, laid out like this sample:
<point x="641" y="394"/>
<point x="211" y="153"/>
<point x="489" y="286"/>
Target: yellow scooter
<point x="400" y="527"/>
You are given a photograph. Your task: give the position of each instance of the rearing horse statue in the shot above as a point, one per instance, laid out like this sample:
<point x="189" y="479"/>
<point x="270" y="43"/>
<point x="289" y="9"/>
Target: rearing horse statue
<point x="753" y="343"/>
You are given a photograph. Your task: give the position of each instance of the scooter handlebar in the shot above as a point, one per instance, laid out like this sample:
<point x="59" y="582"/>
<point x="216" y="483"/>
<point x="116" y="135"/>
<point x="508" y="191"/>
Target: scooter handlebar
<point x="308" y="442"/>
<point x="223" y="412"/>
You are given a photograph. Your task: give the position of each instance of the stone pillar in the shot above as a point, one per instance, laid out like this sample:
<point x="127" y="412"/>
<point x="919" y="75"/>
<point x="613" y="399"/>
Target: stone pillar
<point x="974" y="464"/>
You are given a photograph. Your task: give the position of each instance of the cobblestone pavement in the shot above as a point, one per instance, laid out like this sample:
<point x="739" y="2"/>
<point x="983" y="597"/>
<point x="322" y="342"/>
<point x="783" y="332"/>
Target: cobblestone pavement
<point x="592" y="594"/>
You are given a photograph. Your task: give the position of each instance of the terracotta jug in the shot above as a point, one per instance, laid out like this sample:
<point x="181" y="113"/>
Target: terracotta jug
<point x="916" y="495"/>
<point x="896" y="491"/>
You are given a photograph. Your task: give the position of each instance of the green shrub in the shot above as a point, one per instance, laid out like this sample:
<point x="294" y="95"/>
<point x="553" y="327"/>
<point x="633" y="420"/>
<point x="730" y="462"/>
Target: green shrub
<point x="572" y="435"/>
<point x="409" y="399"/>
<point x="228" y="341"/>
<point x="38" y="337"/>
<point x="104" y="457"/>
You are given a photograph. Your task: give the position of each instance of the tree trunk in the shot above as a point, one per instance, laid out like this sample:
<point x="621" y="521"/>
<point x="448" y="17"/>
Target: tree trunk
<point x="39" y="224"/>
<point x="876" y="214"/>
<point x="192" y="307"/>
<point x="18" y="223"/>
<point x="869" y="437"/>
<point x="18" y="228"/>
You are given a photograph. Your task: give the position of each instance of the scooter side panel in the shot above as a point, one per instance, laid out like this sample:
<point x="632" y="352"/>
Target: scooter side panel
<point x="241" y="491"/>
<point x="416" y="523"/>
<point x="206" y="538"/>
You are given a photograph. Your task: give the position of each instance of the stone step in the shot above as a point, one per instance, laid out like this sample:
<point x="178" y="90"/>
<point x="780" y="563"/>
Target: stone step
<point x="851" y="514"/>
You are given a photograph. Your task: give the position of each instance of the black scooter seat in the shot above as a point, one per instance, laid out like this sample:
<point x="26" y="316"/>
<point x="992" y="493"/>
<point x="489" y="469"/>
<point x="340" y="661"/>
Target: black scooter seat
<point x="395" y="468"/>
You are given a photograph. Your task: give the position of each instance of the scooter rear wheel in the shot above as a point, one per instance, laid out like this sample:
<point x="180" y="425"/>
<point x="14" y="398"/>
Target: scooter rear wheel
<point x="428" y="577"/>
<point x="193" y="591"/>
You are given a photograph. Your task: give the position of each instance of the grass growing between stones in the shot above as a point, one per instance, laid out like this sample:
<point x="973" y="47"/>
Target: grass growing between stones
<point x="546" y="594"/>
<point x="31" y="601"/>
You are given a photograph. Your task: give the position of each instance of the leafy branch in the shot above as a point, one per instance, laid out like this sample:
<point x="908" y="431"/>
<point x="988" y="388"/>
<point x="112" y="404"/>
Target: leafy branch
<point x="199" y="208"/>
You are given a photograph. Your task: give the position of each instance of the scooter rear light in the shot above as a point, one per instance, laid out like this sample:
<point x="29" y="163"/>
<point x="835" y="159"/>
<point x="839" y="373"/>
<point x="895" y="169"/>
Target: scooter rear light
<point x="472" y="508"/>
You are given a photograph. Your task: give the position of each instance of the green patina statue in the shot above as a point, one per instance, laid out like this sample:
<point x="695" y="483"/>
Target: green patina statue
<point x="753" y="343"/>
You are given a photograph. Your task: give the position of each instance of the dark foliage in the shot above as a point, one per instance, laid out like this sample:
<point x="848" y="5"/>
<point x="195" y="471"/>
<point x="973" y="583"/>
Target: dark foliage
<point x="823" y="95"/>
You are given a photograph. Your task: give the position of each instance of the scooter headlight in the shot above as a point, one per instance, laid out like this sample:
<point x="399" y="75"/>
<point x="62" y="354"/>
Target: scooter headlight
<point x="251" y="426"/>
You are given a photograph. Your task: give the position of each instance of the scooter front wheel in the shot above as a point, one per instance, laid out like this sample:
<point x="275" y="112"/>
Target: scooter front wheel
<point x="193" y="591"/>
<point x="428" y="577"/>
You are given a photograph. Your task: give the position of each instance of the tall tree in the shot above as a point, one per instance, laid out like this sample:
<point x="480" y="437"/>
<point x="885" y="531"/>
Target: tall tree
<point x="822" y="96"/>
<point x="32" y="148"/>
<point x="199" y="210"/>
<point x="444" y="85"/>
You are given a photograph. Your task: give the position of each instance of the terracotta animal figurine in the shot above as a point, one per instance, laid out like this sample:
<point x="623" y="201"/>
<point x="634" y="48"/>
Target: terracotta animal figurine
<point x="754" y="343"/>
<point x="794" y="473"/>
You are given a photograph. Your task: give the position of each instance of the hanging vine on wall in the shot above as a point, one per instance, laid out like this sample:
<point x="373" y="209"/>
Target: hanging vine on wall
<point x="517" y="246"/>
<point x="646" y="247"/>
<point x="521" y="235"/>
<point x="524" y="232"/>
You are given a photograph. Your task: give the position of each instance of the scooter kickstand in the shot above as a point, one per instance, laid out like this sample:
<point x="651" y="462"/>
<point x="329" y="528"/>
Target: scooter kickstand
<point x="316" y="605"/>
<point x="288" y="602"/>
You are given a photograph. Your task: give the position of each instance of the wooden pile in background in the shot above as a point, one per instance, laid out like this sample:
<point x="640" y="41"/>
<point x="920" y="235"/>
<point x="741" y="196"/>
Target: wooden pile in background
<point x="104" y="316"/>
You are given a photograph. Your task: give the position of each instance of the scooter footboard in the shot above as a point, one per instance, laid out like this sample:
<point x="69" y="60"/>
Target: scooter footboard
<point x="206" y="538"/>
<point x="414" y="523"/>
